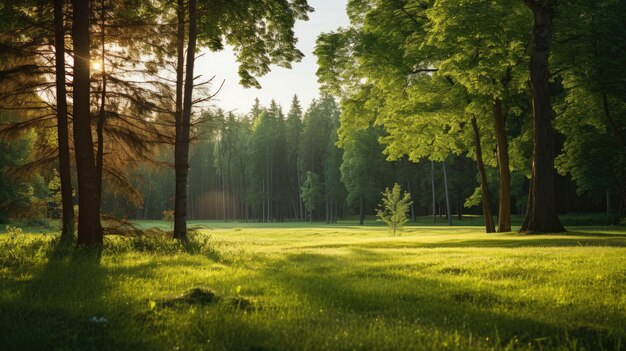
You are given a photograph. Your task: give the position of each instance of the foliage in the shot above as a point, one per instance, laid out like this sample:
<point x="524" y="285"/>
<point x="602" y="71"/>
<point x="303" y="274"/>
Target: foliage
<point x="394" y="208"/>
<point x="311" y="192"/>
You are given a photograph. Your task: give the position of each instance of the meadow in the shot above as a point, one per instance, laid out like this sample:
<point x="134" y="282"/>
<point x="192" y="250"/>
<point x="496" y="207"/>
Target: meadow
<point x="286" y="286"/>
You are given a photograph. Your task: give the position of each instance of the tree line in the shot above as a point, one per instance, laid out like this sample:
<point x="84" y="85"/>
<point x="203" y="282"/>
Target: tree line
<point x="462" y="104"/>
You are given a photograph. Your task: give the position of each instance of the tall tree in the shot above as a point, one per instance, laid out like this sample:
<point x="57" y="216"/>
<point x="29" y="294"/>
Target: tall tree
<point x="89" y="229"/>
<point x="293" y="133"/>
<point x="541" y="216"/>
<point x="67" y="231"/>
<point x="181" y="148"/>
<point x="251" y="28"/>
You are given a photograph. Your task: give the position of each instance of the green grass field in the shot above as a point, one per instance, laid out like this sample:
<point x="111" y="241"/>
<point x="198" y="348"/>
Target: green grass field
<point x="318" y="287"/>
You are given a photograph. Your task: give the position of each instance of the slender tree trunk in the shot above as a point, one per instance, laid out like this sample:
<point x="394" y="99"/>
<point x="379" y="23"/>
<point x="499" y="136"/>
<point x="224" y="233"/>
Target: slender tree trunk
<point x="541" y="216"/>
<point x="408" y="187"/>
<point x="181" y="161"/>
<point x="67" y="202"/>
<point x="432" y="183"/>
<point x="301" y="204"/>
<point x="620" y="138"/>
<point x="484" y="186"/>
<point x="102" y="110"/>
<point x="89" y="231"/>
<point x="504" y="208"/>
<point x="361" y="210"/>
<point x="445" y="182"/>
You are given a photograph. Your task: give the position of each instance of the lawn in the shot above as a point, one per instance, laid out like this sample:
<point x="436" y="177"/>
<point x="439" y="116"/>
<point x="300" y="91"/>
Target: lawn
<point x="311" y="286"/>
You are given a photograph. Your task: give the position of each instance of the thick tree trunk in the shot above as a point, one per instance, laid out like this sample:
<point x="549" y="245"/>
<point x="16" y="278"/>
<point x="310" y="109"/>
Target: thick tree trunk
<point x="181" y="153"/>
<point x="89" y="231"/>
<point x="432" y="183"/>
<point x="541" y="216"/>
<point x="484" y="186"/>
<point x="361" y="210"/>
<point x="504" y="208"/>
<point x="67" y="231"/>
<point x="445" y="183"/>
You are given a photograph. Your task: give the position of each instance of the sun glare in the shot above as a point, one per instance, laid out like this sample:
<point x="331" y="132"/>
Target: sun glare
<point x="96" y="66"/>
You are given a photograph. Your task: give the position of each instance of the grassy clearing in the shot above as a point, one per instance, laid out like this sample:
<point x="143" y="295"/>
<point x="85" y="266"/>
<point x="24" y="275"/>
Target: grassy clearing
<point x="324" y="287"/>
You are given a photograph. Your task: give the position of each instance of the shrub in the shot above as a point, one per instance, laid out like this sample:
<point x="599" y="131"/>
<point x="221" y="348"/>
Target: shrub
<point x="394" y="208"/>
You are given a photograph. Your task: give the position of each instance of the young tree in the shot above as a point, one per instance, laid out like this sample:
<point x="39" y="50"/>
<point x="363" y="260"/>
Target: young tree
<point x="394" y="208"/>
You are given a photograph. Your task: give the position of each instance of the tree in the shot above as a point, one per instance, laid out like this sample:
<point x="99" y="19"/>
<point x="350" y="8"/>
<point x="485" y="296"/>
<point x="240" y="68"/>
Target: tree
<point x="89" y="228"/>
<point x="364" y="169"/>
<point x="183" y="120"/>
<point x="541" y="216"/>
<point x="311" y="193"/>
<point x="590" y="111"/>
<point x="251" y="29"/>
<point x="293" y="133"/>
<point x="67" y="201"/>
<point x="394" y="208"/>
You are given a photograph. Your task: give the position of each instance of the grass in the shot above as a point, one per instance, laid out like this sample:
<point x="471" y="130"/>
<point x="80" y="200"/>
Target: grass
<point x="317" y="287"/>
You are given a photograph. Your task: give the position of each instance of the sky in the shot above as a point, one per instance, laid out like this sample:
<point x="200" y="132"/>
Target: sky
<point x="280" y="84"/>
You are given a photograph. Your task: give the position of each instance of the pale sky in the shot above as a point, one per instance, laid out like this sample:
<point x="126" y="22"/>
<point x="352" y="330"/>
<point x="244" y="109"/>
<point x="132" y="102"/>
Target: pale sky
<point x="280" y="84"/>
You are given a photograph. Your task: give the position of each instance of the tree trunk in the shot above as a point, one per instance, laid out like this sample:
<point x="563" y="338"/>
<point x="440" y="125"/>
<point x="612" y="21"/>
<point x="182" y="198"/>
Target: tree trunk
<point x="101" y="111"/>
<point x="445" y="183"/>
<point x="484" y="186"/>
<point x="432" y="183"/>
<point x="504" y="208"/>
<point x="300" y="203"/>
<point x="408" y="187"/>
<point x="541" y="216"/>
<point x="181" y="153"/>
<point x="361" y="210"/>
<point x="621" y="140"/>
<point x="67" y="231"/>
<point x="89" y="231"/>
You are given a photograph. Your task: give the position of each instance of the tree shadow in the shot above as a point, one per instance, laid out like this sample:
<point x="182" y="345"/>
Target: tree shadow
<point x="330" y="283"/>
<point x="63" y="304"/>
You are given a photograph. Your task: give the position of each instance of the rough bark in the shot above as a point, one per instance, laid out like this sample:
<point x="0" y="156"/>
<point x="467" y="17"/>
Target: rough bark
<point x="181" y="150"/>
<point x="89" y="231"/>
<point x="541" y="216"/>
<point x="504" y="208"/>
<point x="484" y="186"/>
<point x="67" y="203"/>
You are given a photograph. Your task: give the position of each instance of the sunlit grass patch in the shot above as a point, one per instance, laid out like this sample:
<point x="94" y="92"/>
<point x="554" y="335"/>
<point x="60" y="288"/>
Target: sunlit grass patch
<point x="324" y="287"/>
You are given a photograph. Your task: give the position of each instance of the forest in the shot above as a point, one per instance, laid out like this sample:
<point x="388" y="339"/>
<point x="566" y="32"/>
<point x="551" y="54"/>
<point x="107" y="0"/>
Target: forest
<point x="459" y="182"/>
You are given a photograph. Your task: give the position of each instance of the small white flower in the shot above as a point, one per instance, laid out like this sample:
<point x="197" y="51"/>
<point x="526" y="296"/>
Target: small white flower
<point x="99" y="320"/>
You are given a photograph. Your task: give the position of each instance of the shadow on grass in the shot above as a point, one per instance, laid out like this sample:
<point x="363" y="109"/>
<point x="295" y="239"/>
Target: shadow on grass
<point x="570" y="239"/>
<point x="329" y="283"/>
<point x="63" y="305"/>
